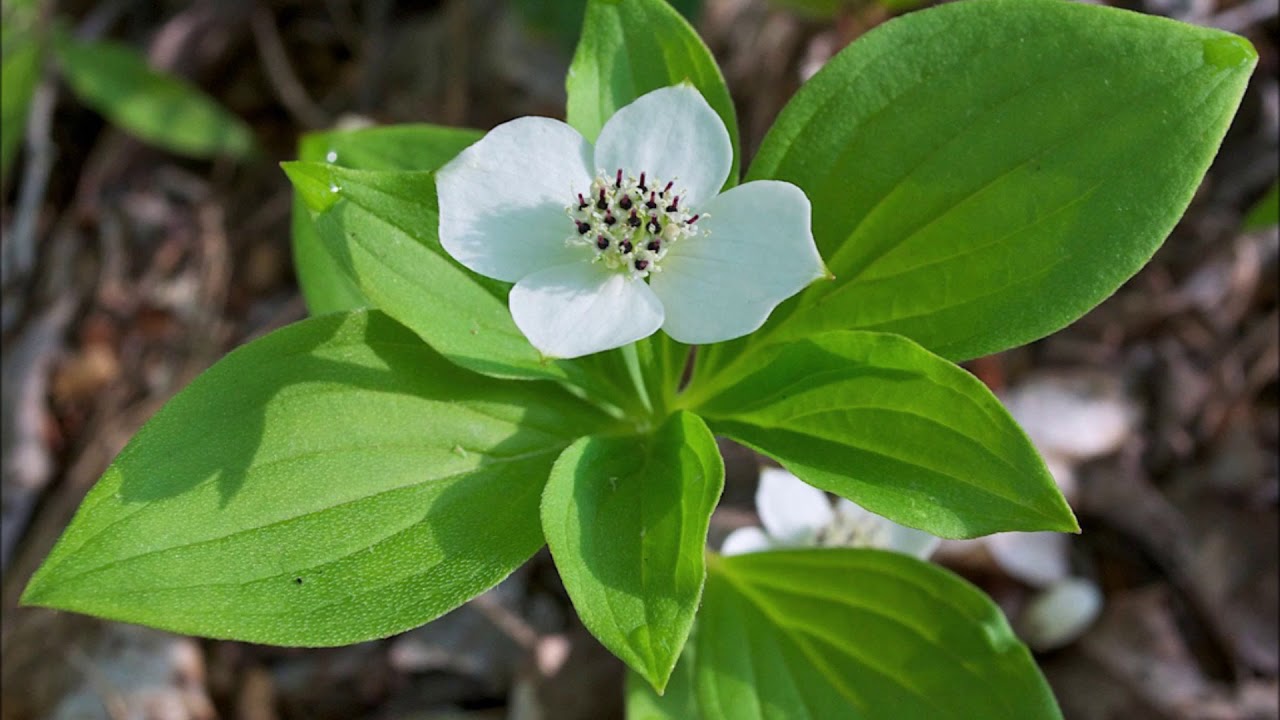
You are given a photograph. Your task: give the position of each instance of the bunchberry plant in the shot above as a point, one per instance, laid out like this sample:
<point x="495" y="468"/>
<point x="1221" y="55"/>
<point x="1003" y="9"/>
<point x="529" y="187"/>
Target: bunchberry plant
<point x="485" y="374"/>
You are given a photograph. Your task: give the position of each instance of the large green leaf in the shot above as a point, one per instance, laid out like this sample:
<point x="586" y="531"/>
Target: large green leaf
<point x="982" y="173"/>
<point x="631" y="47"/>
<point x="332" y="482"/>
<point x="19" y="67"/>
<point x="626" y="520"/>
<point x="161" y="109"/>
<point x="878" y="419"/>
<point x="325" y="285"/>
<point x="857" y="635"/>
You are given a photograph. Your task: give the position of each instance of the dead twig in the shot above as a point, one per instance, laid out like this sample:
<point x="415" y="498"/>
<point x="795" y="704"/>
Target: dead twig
<point x="280" y="73"/>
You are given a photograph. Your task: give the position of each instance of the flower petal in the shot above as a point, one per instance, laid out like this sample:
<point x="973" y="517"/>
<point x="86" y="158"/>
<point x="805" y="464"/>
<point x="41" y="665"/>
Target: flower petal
<point x="1036" y="558"/>
<point x="745" y="540"/>
<point x="503" y="200"/>
<point x="755" y="249"/>
<point x="791" y="510"/>
<point x="671" y="134"/>
<point x="1058" y="615"/>
<point x="888" y="534"/>
<point x="581" y="308"/>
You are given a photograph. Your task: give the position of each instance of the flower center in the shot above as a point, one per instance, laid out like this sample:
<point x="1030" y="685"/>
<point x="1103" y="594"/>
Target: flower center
<point x="630" y="223"/>
<point x="845" y="531"/>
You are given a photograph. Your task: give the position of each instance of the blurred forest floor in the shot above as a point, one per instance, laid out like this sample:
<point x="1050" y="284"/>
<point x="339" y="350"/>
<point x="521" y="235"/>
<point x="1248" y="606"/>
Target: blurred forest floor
<point x="150" y="267"/>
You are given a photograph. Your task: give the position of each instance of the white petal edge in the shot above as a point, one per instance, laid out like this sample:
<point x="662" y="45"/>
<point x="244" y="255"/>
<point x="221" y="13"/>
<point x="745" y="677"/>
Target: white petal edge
<point x="1058" y="615"/>
<point x="755" y="249"/>
<point x="671" y="134"/>
<point x="1035" y="558"/>
<point x="745" y="540"/>
<point x="503" y="199"/>
<point x="791" y="510"/>
<point x="891" y="535"/>
<point x="582" y="308"/>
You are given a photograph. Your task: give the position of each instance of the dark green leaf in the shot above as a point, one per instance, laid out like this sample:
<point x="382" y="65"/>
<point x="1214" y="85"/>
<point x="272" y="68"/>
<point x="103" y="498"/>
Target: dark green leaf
<point x="1266" y="212"/>
<point x="908" y="435"/>
<point x="982" y="173"/>
<point x="380" y="228"/>
<point x="332" y="482"/>
<point x="19" y="68"/>
<point x="325" y="285"/>
<point x="857" y="635"/>
<point x="631" y="47"/>
<point x="626" y="520"/>
<point x="678" y="702"/>
<point x="159" y="108"/>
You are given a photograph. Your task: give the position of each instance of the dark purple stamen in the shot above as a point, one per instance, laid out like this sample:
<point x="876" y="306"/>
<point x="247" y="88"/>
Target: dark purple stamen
<point x="609" y="219"/>
<point x="626" y="247"/>
<point x="692" y="220"/>
<point x="642" y="264"/>
<point x="665" y="189"/>
<point x="654" y="246"/>
<point x="583" y="227"/>
<point x="618" y="183"/>
<point x="582" y="202"/>
<point x="653" y="226"/>
<point x="642" y="187"/>
<point x="602" y="242"/>
<point x="634" y="219"/>
<point x="675" y="204"/>
<point x="601" y="204"/>
<point x="625" y="202"/>
<point x="651" y="204"/>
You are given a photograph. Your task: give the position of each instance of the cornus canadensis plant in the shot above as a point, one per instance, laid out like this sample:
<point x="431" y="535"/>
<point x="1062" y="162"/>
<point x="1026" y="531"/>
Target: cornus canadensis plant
<point x="484" y="373"/>
<point x="645" y="246"/>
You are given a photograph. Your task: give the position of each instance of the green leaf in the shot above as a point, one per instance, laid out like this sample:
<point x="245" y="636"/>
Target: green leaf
<point x="858" y="634"/>
<point x="19" y="69"/>
<point x="380" y="228"/>
<point x="333" y="482"/>
<point x="1266" y="212"/>
<point x="562" y="19"/>
<point x="325" y="285"/>
<point x="983" y="173"/>
<point x="626" y="520"/>
<point x="878" y="419"/>
<point x="632" y="47"/>
<point x="158" y="108"/>
<point x="678" y="702"/>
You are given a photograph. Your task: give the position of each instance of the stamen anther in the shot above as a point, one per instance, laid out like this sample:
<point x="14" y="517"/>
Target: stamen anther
<point x="583" y="227"/>
<point x="618" y="183"/>
<point x="602" y="242"/>
<point x="626" y="247"/>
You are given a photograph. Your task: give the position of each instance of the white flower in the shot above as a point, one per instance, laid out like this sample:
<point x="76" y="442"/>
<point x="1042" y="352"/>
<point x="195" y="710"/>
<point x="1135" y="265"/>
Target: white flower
<point x="608" y="244"/>
<point x="796" y="514"/>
